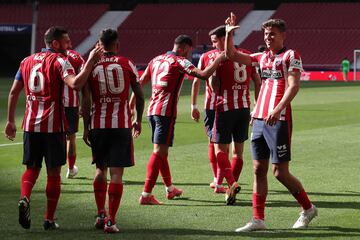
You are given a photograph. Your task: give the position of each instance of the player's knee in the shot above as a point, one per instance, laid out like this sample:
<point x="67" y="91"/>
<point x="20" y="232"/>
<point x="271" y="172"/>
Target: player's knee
<point x="279" y="173"/>
<point x="260" y="171"/>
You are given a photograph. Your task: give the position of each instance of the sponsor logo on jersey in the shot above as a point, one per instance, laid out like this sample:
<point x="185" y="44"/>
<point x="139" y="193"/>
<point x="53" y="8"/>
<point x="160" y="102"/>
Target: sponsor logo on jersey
<point x="274" y="74"/>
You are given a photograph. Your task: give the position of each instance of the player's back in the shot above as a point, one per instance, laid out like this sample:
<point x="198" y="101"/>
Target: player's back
<point x="167" y="75"/>
<point x="234" y="85"/>
<point x="43" y="75"/>
<point x="109" y="82"/>
<point x="205" y="60"/>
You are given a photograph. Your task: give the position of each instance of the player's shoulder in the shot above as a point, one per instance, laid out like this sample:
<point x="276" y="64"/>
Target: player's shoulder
<point x="211" y="54"/>
<point x="292" y="54"/>
<point x="73" y="54"/>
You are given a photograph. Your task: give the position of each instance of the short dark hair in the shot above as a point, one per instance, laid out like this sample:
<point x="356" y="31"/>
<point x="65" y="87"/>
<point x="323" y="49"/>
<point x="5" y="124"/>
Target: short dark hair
<point x="183" y="39"/>
<point x="278" y="23"/>
<point x="54" y="33"/>
<point x="218" y="31"/>
<point x="108" y="36"/>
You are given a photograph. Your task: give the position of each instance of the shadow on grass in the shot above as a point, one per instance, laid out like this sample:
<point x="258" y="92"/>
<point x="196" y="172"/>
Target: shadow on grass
<point x="331" y="231"/>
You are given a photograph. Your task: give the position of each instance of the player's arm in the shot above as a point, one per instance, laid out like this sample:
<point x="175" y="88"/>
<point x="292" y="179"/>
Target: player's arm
<point x="257" y="84"/>
<point x="85" y="106"/>
<point x="78" y="81"/>
<point x="10" y="128"/>
<point x="230" y="51"/>
<point x="209" y="70"/>
<point x="195" y="113"/>
<point x="144" y="79"/>
<point x="139" y="96"/>
<point x="291" y="91"/>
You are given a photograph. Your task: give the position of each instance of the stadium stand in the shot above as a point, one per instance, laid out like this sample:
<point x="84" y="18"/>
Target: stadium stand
<point x="151" y="28"/>
<point x="67" y="15"/>
<point x="329" y="33"/>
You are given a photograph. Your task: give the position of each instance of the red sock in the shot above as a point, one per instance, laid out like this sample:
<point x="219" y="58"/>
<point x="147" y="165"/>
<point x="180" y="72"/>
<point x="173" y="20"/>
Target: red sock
<point x="115" y="192"/>
<point x="258" y="203"/>
<point x="28" y="181"/>
<point x="212" y="159"/>
<point x="100" y="188"/>
<point x="152" y="172"/>
<point x="303" y="199"/>
<point x="165" y="172"/>
<point x="71" y="161"/>
<point x="224" y="164"/>
<point x="236" y="167"/>
<point x="220" y="176"/>
<point x="53" y="194"/>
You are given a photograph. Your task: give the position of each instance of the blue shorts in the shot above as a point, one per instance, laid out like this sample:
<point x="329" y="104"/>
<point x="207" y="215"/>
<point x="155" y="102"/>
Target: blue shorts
<point x="232" y="125"/>
<point x="162" y="129"/>
<point x="72" y="118"/>
<point x="51" y="146"/>
<point x="112" y="147"/>
<point x="274" y="140"/>
<point x="209" y="116"/>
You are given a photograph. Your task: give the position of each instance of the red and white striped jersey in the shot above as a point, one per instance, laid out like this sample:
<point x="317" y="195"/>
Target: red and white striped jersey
<point x="43" y="74"/>
<point x="71" y="96"/>
<point x="274" y="73"/>
<point x="109" y="82"/>
<point x="205" y="60"/>
<point x="234" y="85"/>
<point x="167" y="76"/>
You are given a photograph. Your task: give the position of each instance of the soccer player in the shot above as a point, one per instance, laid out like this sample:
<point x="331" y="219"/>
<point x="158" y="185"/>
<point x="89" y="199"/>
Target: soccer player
<point x="71" y="104"/>
<point x="166" y="73"/>
<point x="232" y="117"/>
<point x="42" y="75"/>
<point x="345" y="66"/>
<point x="232" y="75"/>
<point x="110" y="126"/>
<point x="280" y="70"/>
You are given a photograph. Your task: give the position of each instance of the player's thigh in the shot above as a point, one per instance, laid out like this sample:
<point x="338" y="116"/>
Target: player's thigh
<point x="72" y="118"/>
<point x="34" y="151"/>
<point x="209" y="117"/>
<point x="278" y="138"/>
<point x="55" y="149"/>
<point x="222" y="128"/>
<point x="121" y="148"/>
<point x="164" y="130"/>
<point x="241" y="119"/>
<point x="259" y="148"/>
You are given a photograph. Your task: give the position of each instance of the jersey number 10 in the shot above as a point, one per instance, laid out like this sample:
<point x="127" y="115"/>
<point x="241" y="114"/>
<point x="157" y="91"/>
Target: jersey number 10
<point x="111" y="78"/>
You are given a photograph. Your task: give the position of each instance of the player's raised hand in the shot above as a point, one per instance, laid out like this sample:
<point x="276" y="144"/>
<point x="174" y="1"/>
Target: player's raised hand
<point x="10" y="131"/>
<point x="230" y="23"/>
<point x="96" y="53"/>
<point x="136" y="126"/>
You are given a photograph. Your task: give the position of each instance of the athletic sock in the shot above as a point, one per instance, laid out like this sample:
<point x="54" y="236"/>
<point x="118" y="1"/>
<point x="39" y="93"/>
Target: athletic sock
<point x="71" y="161"/>
<point x="236" y="167"/>
<point x="212" y="159"/>
<point x="53" y="188"/>
<point x="153" y="167"/>
<point x="303" y="199"/>
<point x="100" y="188"/>
<point x="115" y="192"/>
<point x="224" y="164"/>
<point x="28" y="181"/>
<point x="165" y="172"/>
<point x="258" y="203"/>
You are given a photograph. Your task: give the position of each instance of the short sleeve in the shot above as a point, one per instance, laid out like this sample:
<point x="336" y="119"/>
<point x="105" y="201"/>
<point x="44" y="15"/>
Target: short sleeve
<point x="295" y="63"/>
<point x="201" y="62"/>
<point x="185" y="65"/>
<point x="134" y="71"/>
<point x="64" y="67"/>
<point x="18" y="75"/>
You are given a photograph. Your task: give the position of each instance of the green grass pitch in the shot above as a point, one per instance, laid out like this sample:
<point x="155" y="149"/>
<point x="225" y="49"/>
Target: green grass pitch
<point x="326" y="143"/>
